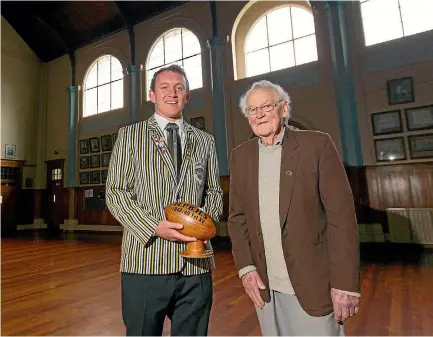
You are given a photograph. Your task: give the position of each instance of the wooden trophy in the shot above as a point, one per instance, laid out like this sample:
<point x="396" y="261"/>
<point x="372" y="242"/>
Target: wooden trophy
<point x="196" y="223"/>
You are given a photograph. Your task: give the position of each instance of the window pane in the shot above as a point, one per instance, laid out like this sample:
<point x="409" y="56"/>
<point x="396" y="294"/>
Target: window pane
<point x="173" y="46"/>
<point x="279" y="26"/>
<point x="104" y="70"/>
<point x="282" y="56"/>
<point x="377" y="26"/>
<point x="117" y="95"/>
<point x="116" y="69"/>
<point x="103" y="98"/>
<point x="193" y="70"/>
<point x="92" y="77"/>
<point x="156" y="58"/>
<point x="257" y="38"/>
<point x="306" y="49"/>
<point x="257" y="62"/>
<point x="417" y="16"/>
<point x="303" y="22"/>
<point x="90" y="101"/>
<point x="191" y="45"/>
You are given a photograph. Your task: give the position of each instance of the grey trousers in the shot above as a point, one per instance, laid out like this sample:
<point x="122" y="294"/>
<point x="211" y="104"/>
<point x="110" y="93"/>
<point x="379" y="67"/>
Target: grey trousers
<point x="284" y="316"/>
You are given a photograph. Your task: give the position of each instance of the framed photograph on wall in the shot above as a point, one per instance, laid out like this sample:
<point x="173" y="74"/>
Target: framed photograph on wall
<point x="84" y="162"/>
<point x="198" y="122"/>
<point x="400" y="90"/>
<point x="95" y="161"/>
<point x="114" y="135"/>
<point x="107" y="143"/>
<point x="95" y="177"/>
<point x="84" y="146"/>
<point x="386" y="122"/>
<point x="390" y="149"/>
<point x="105" y="159"/>
<point x="104" y="174"/>
<point x="94" y="145"/>
<point x="421" y="146"/>
<point x="10" y="151"/>
<point x="420" y="118"/>
<point x="84" y="178"/>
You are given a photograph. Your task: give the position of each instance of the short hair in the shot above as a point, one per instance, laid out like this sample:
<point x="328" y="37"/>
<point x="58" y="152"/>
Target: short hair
<point x="263" y="84"/>
<point x="174" y="68"/>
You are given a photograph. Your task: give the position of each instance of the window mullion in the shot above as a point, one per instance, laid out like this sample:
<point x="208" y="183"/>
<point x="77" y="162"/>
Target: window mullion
<point x="293" y="35"/>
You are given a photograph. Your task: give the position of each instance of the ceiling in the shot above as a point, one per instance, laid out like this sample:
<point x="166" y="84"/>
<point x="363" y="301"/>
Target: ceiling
<point x="55" y="28"/>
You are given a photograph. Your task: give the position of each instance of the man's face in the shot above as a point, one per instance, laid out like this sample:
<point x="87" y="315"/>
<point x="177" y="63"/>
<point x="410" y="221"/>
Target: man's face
<point x="269" y="112"/>
<point x="170" y="95"/>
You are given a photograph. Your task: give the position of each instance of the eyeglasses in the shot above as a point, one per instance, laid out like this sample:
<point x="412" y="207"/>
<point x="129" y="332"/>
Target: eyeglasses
<point x="265" y="108"/>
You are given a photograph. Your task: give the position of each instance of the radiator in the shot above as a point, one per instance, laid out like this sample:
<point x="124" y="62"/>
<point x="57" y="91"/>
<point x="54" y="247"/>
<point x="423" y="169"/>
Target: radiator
<point x="410" y="225"/>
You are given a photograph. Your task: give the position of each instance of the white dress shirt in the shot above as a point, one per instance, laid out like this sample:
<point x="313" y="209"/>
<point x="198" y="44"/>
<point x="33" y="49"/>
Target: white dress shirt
<point x="162" y="123"/>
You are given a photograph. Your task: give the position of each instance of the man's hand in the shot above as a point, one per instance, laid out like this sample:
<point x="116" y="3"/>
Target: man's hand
<point x="345" y="305"/>
<point x="252" y="283"/>
<point x="169" y="231"/>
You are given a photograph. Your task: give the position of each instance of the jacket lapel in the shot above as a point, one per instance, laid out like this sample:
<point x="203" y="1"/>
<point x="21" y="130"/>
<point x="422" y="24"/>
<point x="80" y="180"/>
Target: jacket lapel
<point x="289" y="165"/>
<point x="190" y="144"/>
<point x="158" y="141"/>
<point x="253" y="183"/>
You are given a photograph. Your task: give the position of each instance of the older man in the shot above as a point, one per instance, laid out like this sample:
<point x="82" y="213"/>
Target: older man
<point x="292" y="222"/>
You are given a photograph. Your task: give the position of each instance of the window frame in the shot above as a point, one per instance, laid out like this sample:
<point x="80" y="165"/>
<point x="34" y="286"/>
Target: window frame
<point x="162" y="36"/>
<point x="97" y="86"/>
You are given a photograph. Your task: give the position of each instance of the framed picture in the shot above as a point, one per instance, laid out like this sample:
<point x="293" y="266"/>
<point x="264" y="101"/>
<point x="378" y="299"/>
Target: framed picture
<point x="198" y="122"/>
<point x="95" y="177"/>
<point x="84" y="146"/>
<point x="390" y="149"/>
<point x="114" y="135"/>
<point x="104" y="174"/>
<point x="94" y="145"/>
<point x="10" y="151"/>
<point x="419" y="118"/>
<point x="84" y="178"/>
<point x="105" y="158"/>
<point x="386" y="122"/>
<point x="400" y="90"/>
<point x="84" y="162"/>
<point x="107" y="143"/>
<point x="95" y="161"/>
<point x="421" y="146"/>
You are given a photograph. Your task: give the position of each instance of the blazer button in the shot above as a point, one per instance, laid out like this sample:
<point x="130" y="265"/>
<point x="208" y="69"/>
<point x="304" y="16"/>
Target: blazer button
<point x="259" y="233"/>
<point x="289" y="173"/>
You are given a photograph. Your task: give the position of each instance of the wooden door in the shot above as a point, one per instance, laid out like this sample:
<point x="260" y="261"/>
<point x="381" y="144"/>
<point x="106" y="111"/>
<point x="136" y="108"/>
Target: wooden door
<point x="56" y="203"/>
<point x="11" y="180"/>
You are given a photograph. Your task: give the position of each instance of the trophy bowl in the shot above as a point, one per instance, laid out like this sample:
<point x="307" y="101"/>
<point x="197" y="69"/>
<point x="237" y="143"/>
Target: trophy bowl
<point x="196" y="223"/>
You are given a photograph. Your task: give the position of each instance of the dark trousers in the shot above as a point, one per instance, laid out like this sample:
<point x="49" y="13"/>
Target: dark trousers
<point x="147" y="299"/>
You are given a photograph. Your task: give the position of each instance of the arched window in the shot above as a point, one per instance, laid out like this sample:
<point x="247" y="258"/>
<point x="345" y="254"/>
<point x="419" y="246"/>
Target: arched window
<point x="177" y="46"/>
<point x="283" y="38"/>
<point x="391" y="19"/>
<point x="103" y="86"/>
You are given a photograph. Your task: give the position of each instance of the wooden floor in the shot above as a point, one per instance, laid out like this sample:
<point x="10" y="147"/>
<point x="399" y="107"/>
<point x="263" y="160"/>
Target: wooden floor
<point x="72" y="287"/>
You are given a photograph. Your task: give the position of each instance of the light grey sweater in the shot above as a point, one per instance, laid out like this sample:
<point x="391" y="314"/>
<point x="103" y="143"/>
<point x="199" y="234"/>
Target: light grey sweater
<point x="269" y="192"/>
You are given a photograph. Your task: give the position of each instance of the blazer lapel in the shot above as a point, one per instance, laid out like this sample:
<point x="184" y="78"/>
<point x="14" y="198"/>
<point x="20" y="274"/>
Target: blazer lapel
<point x="190" y="142"/>
<point x="289" y="165"/>
<point x="253" y="167"/>
<point x="158" y="140"/>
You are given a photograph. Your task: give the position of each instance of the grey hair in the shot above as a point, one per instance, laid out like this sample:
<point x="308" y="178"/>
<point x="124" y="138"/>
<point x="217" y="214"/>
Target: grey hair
<point x="263" y="84"/>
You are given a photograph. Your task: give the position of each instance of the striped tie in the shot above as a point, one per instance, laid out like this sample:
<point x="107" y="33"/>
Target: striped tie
<point x="174" y="146"/>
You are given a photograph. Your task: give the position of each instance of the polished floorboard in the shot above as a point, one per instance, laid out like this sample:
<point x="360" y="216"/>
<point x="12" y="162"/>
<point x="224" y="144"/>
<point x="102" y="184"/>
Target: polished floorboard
<point x="71" y="286"/>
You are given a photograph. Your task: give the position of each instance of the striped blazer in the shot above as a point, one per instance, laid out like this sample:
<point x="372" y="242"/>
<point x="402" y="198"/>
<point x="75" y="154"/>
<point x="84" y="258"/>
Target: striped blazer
<point x="142" y="181"/>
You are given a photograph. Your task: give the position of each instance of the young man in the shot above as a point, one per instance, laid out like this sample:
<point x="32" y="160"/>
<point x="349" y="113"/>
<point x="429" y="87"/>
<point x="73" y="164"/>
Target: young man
<point x="154" y="163"/>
